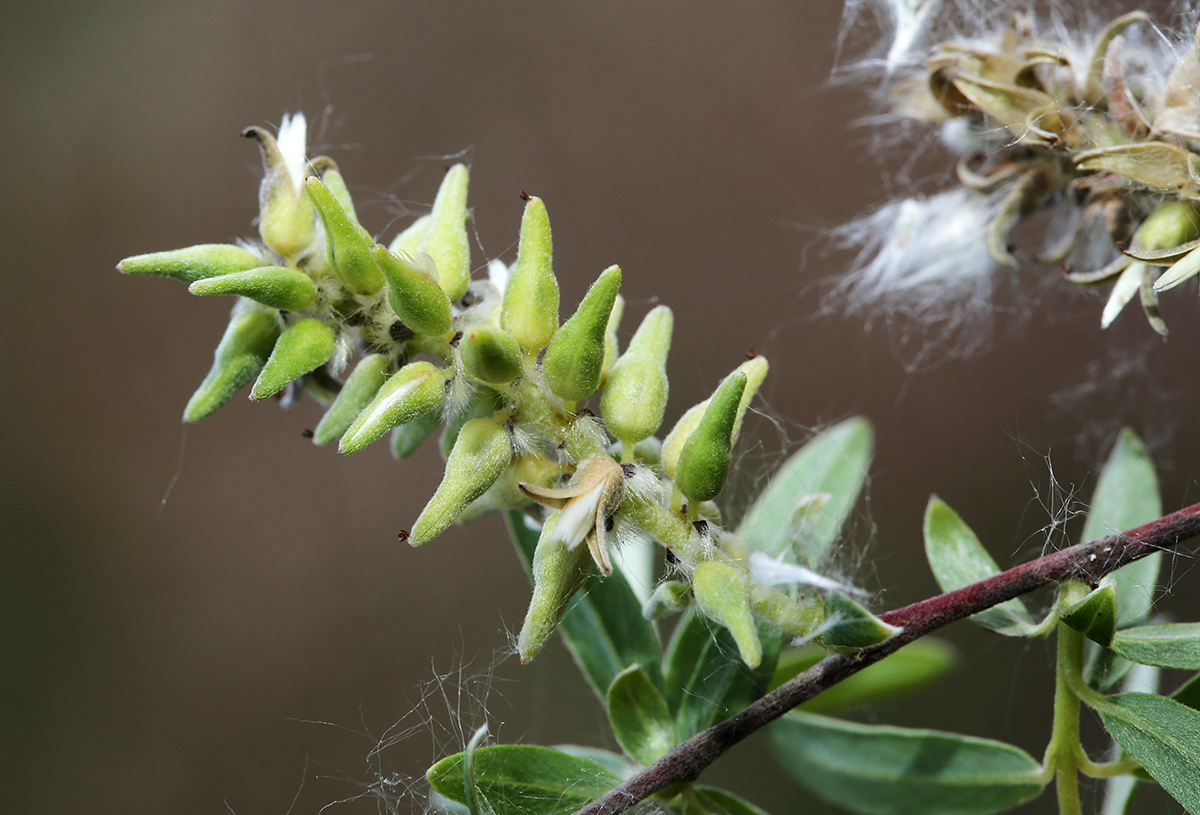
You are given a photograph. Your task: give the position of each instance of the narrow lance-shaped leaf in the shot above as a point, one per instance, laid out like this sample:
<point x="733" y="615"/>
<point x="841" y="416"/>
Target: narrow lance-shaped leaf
<point x="883" y="770"/>
<point x="834" y="463"/>
<point x="958" y="559"/>
<point x="1172" y="645"/>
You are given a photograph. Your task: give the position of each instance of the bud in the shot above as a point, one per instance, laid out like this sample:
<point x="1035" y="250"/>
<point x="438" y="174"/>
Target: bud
<point x="285" y="215"/>
<point x="194" y="263"/>
<point x="274" y="286"/>
<point x="481" y="453"/>
<point x="669" y="597"/>
<point x="416" y="389"/>
<point x="349" y="243"/>
<point x="530" y="310"/>
<point x="327" y="169"/>
<point x="1092" y="612"/>
<point x="239" y="357"/>
<point x="573" y="361"/>
<point x="302" y="347"/>
<point x="611" y="347"/>
<point x="359" y="389"/>
<point x="413" y="292"/>
<point x="490" y="354"/>
<point x="755" y="370"/>
<point x="794" y="616"/>
<point x="849" y="626"/>
<point x="1171" y="225"/>
<point x="408" y="437"/>
<point x="704" y="460"/>
<point x="484" y="402"/>
<point x="635" y="395"/>
<point x="558" y="572"/>
<point x="723" y="594"/>
<point x="506" y="493"/>
<point x="446" y="239"/>
<point x="409" y="241"/>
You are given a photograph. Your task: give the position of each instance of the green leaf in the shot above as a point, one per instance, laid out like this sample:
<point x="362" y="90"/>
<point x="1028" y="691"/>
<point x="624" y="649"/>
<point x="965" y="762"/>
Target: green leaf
<point x="604" y="627"/>
<point x="912" y="667"/>
<point x="523" y="780"/>
<point x="958" y="559"/>
<point x="704" y="678"/>
<point x="884" y="770"/>
<point x="639" y="716"/>
<point x="850" y="626"/>
<point x="1164" y="736"/>
<point x="1126" y="496"/>
<point x="1174" y="645"/>
<point x="615" y="763"/>
<point x="834" y="462"/>
<point x="1189" y="693"/>
<point x="724" y="802"/>
<point x="1094" y="613"/>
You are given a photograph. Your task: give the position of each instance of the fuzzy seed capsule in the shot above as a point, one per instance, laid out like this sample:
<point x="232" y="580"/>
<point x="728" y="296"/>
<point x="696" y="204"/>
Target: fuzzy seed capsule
<point x="273" y="286"/>
<point x="359" y="389"/>
<point x="349" y="243"/>
<point x="558" y="572"/>
<point x="530" y="310"/>
<point x="575" y="357"/>
<point x="490" y="354"/>
<point x="669" y="597"/>
<point x="194" y="263"/>
<point x="239" y="357"/>
<point x="413" y="293"/>
<point x="635" y="395"/>
<point x="705" y="457"/>
<point x="285" y="214"/>
<point x="723" y="594"/>
<point x="415" y="390"/>
<point x="302" y="347"/>
<point x="481" y="453"/>
<point x="446" y="239"/>
<point x="755" y="370"/>
<point x="408" y="437"/>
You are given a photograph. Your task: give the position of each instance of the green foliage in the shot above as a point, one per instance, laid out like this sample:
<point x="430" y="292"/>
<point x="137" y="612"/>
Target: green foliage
<point x="1164" y="736"/>
<point x="882" y="770"/>
<point x="1173" y="645"/>
<point x="639" y="716"/>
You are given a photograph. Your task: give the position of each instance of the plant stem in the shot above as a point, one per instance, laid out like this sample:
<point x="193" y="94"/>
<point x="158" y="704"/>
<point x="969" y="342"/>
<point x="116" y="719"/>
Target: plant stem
<point x="1087" y="561"/>
<point x="1064" y="749"/>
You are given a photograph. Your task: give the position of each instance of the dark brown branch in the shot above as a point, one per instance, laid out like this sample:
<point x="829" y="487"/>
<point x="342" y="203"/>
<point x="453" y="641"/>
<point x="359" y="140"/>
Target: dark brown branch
<point x="1087" y="561"/>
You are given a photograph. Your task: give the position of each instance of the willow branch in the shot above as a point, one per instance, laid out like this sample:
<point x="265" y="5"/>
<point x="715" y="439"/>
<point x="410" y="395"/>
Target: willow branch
<point x="1087" y="561"/>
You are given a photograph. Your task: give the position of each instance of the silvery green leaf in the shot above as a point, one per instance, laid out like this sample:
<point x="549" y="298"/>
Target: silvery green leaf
<point x="1163" y="736"/>
<point x="1173" y="645"/>
<point x="639" y="716"/>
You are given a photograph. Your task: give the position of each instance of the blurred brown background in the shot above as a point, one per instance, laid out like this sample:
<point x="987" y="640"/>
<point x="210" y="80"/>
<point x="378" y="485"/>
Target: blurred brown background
<point x="219" y="618"/>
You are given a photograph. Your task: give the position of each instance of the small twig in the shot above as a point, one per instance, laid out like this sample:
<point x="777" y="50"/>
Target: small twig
<point x="1087" y="561"/>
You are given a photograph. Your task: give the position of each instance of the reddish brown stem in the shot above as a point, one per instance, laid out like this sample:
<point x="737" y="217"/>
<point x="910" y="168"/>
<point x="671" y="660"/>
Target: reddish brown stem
<point x="1087" y="561"/>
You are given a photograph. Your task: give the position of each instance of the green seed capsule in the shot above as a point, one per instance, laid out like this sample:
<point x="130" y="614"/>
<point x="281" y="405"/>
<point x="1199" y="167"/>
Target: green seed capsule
<point x="558" y="572"/>
<point x="242" y="353"/>
<point x="446" y="239"/>
<point x="302" y="347"/>
<point x="416" y="389"/>
<point x="490" y="354"/>
<point x="530" y="310"/>
<point x="327" y="170"/>
<point x="274" y="286"/>
<point x="575" y="357"/>
<point x="349" y="243"/>
<point x="413" y="293"/>
<point x="484" y="402"/>
<point x="194" y="263"/>
<point x="849" y="626"/>
<point x="285" y="214"/>
<point x="481" y="453"/>
<point x="1169" y="225"/>
<point x="723" y="594"/>
<point x="705" y="457"/>
<point x="635" y="395"/>
<point x="755" y="370"/>
<point x="611" y="348"/>
<point x="360" y="388"/>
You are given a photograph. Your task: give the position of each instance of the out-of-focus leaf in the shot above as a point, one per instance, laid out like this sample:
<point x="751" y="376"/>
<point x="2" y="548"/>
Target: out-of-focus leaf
<point x="883" y="770"/>
<point x="639" y="716"/>
<point x="724" y="802"/>
<point x="912" y="667"/>
<point x="833" y="463"/>
<point x="958" y="559"/>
